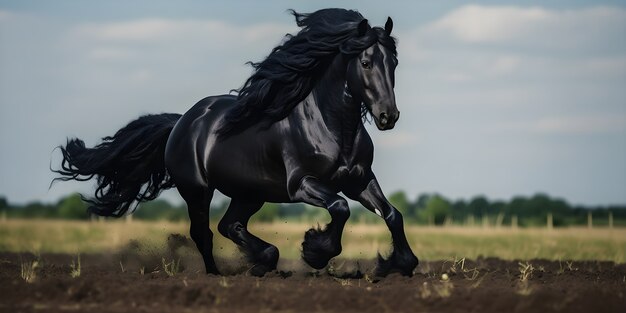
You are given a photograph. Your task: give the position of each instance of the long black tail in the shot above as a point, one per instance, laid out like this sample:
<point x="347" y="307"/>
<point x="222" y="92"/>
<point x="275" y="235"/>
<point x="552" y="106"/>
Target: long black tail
<point x="129" y="167"/>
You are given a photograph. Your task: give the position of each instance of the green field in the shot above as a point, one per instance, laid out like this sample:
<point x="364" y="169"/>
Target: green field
<point x="359" y="241"/>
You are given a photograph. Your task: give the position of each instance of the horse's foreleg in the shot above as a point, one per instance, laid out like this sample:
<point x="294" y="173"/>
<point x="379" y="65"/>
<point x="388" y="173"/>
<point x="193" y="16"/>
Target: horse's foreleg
<point x="320" y="245"/>
<point x="402" y="258"/>
<point x="234" y="225"/>
<point x="198" y="200"/>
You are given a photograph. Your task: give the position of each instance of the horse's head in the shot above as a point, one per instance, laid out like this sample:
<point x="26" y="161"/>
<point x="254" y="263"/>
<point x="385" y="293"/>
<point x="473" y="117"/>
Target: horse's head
<point x="370" y="78"/>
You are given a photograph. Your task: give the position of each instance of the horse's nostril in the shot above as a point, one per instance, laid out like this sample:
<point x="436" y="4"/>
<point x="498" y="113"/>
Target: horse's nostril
<point x="383" y="118"/>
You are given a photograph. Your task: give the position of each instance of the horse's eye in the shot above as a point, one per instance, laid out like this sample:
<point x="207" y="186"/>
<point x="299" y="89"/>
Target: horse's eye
<point x="365" y="64"/>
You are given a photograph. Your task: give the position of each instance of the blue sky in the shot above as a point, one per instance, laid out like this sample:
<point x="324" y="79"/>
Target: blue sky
<point x="497" y="98"/>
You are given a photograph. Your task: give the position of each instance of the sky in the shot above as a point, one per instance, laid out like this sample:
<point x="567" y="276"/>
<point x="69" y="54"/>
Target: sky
<point x="498" y="98"/>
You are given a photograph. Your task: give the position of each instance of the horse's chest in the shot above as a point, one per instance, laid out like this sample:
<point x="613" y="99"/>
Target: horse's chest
<point x="331" y="164"/>
<point x="324" y="153"/>
<point x="322" y="159"/>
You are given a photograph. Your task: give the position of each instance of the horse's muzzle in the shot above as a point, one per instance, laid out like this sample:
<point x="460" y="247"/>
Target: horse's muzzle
<point x="387" y="121"/>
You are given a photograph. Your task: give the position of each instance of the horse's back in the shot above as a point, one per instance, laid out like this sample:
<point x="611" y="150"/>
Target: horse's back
<point x="241" y="163"/>
<point x="191" y="137"/>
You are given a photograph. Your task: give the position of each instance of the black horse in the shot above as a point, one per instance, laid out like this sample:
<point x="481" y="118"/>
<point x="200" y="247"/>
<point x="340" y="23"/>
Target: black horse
<point x="294" y="133"/>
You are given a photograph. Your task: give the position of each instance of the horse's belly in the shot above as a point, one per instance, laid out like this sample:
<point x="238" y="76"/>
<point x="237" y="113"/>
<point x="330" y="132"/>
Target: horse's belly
<point x="251" y="186"/>
<point x="242" y="171"/>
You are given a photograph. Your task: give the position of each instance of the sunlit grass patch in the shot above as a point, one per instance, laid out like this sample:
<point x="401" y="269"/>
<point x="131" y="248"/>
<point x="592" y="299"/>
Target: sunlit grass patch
<point x="75" y="267"/>
<point x="172" y="267"/>
<point x="29" y="270"/>
<point x="359" y="240"/>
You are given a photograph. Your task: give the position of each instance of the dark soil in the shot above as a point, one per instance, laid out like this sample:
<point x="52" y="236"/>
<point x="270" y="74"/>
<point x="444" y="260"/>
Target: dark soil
<point x="115" y="283"/>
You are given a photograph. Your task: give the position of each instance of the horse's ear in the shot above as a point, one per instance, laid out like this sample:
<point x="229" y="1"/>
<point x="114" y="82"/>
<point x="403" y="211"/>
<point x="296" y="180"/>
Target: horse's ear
<point x="363" y="27"/>
<point x="389" y="25"/>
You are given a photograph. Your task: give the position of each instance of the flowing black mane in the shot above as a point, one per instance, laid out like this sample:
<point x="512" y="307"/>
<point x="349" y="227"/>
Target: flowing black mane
<point x="292" y="69"/>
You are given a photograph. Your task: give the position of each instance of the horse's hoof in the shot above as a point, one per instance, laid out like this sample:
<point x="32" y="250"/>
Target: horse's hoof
<point x="264" y="261"/>
<point x="318" y="248"/>
<point x="259" y="270"/>
<point x="403" y="263"/>
<point x="268" y="257"/>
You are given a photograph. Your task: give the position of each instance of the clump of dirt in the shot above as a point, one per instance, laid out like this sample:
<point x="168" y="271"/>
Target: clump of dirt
<point x="135" y="280"/>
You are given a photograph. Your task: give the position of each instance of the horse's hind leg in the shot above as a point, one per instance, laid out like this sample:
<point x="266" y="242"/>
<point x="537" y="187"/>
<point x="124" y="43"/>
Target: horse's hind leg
<point x="198" y="201"/>
<point x="234" y="225"/>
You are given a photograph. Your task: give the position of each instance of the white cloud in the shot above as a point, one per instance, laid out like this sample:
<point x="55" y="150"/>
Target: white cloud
<point x="521" y="25"/>
<point x="505" y="64"/>
<point x="613" y="66"/>
<point x="141" y="76"/>
<point x="174" y="43"/>
<point x="564" y="125"/>
<point x="475" y="23"/>
<point x="160" y="30"/>
<point x="550" y="61"/>
<point x="580" y="125"/>
<point x="395" y="138"/>
<point x="110" y="53"/>
<point x="457" y="76"/>
<point x="145" y="29"/>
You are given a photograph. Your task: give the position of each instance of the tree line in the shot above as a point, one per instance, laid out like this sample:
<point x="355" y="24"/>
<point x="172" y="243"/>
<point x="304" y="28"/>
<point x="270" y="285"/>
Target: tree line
<point x="433" y="209"/>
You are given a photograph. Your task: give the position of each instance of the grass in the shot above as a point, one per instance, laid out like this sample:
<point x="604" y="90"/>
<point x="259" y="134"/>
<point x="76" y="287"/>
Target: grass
<point x="75" y="267"/>
<point x="526" y="272"/>
<point x="359" y="241"/>
<point x="29" y="271"/>
<point x="171" y="268"/>
<point x="458" y="267"/>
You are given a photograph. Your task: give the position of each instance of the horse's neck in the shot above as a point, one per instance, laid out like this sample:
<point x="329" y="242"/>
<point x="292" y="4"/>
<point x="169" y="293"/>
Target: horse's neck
<point x="341" y="114"/>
